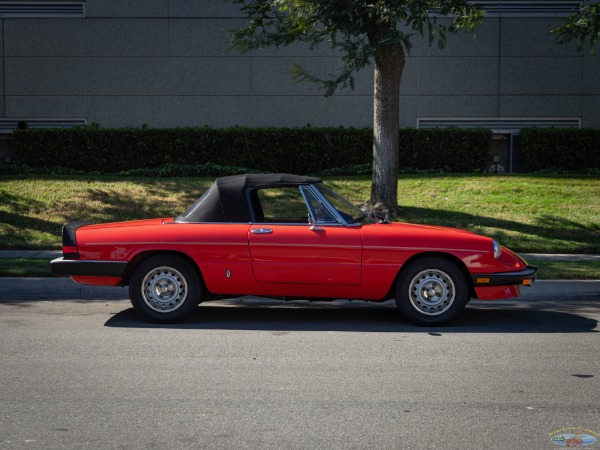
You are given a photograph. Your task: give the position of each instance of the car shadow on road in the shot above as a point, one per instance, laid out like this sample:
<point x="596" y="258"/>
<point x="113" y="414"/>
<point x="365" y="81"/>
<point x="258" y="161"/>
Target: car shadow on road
<point x="369" y="318"/>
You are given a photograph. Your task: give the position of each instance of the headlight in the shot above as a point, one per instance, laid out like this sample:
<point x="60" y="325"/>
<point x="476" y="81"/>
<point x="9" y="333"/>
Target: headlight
<point x="497" y="249"/>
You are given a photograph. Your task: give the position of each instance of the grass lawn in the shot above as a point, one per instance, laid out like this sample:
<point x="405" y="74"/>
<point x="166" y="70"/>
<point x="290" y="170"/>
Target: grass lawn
<point x="25" y="267"/>
<point x="533" y="213"/>
<point x="568" y="270"/>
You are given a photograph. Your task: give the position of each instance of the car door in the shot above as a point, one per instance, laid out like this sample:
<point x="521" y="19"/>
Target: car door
<point x="285" y="248"/>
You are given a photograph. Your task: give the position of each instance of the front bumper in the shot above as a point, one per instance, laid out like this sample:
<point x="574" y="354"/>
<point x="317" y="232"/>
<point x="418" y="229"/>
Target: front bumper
<point x="77" y="267"/>
<point x="522" y="277"/>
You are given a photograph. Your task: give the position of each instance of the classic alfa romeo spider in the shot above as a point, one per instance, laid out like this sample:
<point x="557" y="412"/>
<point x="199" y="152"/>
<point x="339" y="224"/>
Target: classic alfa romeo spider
<point x="288" y="236"/>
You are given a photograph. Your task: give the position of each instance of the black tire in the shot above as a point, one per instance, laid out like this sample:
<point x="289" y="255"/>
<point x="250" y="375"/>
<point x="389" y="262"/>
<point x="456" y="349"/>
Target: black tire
<point x="165" y="289"/>
<point x="432" y="291"/>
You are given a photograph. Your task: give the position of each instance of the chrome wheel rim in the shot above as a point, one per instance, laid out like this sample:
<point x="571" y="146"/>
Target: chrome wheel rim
<point x="164" y="289"/>
<point x="431" y="292"/>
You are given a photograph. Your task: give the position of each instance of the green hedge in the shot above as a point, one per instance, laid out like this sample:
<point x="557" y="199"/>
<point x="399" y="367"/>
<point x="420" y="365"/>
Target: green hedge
<point x="449" y="150"/>
<point x="292" y="150"/>
<point x="560" y="149"/>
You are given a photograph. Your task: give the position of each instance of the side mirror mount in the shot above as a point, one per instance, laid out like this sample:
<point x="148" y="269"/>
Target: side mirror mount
<point x="311" y="222"/>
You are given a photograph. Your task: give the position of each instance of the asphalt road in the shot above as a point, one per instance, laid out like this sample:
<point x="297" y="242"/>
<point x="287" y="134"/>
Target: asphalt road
<point x="257" y="374"/>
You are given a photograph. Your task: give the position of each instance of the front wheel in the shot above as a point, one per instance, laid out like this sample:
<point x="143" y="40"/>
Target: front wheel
<point x="165" y="289"/>
<point x="432" y="291"/>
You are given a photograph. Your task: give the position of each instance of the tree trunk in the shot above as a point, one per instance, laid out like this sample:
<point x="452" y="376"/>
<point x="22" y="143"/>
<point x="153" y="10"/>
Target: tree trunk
<point x="386" y="124"/>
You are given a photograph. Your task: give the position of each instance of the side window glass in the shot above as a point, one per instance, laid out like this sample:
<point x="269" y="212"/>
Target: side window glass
<point x="320" y="213"/>
<point x="282" y="205"/>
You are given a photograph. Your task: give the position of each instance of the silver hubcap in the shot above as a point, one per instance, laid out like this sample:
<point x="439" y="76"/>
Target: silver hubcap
<point x="431" y="292"/>
<point x="164" y="289"/>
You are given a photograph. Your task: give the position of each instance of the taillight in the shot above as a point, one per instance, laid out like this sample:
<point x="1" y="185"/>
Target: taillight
<point x="70" y="252"/>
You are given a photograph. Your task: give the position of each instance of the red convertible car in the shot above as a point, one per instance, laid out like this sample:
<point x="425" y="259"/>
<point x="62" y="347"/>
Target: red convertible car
<point x="288" y="236"/>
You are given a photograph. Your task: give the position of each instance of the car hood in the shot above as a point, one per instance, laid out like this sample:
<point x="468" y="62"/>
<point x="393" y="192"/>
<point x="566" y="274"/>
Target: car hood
<point x="407" y="235"/>
<point x="430" y="228"/>
<point x="427" y="229"/>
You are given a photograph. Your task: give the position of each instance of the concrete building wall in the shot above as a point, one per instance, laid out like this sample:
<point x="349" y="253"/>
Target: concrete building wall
<point x="166" y="63"/>
<point x="2" y="105"/>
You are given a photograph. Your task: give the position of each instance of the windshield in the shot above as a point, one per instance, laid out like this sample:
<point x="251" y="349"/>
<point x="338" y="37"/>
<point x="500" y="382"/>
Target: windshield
<point x="350" y="212"/>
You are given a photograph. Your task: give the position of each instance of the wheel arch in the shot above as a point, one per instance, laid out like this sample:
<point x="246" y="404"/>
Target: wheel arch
<point x="447" y="256"/>
<point x="144" y="255"/>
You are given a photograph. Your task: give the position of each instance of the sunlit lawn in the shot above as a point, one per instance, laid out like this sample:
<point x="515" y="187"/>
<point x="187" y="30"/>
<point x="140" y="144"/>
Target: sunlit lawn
<point x="543" y="214"/>
<point x="538" y="214"/>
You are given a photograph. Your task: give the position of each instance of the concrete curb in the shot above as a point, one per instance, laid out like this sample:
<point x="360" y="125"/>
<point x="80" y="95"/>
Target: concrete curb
<point x="557" y="289"/>
<point x="31" y="254"/>
<point x="56" y="288"/>
<point x="12" y="289"/>
<point x="559" y="257"/>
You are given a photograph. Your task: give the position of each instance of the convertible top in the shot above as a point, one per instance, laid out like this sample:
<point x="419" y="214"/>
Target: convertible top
<point x="228" y="199"/>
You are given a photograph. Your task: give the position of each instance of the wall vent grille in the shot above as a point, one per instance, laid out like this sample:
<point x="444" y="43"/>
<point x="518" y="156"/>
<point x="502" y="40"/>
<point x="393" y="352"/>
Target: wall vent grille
<point x="501" y="125"/>
<point x="42" y="9"/>
<point x="529" y="9"/>
<point x="7" y="126"/>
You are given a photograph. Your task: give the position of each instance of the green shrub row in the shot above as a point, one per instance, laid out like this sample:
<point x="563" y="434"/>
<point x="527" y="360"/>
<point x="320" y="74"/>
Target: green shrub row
<point x="448" y="150"/>
<point x="116" y="150"/>
<point x="292" y="150"/>
<point x="561" y="150"/>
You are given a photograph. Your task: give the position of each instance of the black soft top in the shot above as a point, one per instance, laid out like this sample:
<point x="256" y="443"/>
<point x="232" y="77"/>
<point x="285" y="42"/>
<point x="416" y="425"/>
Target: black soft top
<point x="229" y="198"/>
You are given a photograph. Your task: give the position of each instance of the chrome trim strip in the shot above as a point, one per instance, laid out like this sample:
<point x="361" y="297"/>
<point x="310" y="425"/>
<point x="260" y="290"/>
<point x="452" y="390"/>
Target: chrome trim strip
<point x="206" y="223"/>
<point x="305" y="224"/>
<point x="426" y="249"/>
<point x="265" y="223"/>
<point x="311" y="216"/>
<point x="245" y="244"/>
<point x="308" y="245"/>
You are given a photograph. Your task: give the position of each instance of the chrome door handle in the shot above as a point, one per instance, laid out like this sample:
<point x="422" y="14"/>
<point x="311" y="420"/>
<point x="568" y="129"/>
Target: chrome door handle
<point x="315" y="228"/>
<point x="262" y="231"/>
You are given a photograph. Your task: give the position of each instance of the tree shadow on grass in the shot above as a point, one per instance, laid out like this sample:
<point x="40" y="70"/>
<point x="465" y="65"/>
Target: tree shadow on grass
<point x="555" y="222"/>
<point x="116" y="206"/>
<point x="21" y="228"/>
<point x="369" y="318"/>
<point x="584" y="237"/>
<point x="17" y="227"/>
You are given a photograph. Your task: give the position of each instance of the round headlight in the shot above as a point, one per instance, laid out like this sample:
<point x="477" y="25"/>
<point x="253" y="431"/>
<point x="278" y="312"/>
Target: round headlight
<point x="497" y="249"/>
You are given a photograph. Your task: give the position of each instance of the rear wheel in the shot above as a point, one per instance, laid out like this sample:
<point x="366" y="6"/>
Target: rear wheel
<point x="432" y="291"/>
<point x="165" y="289"/>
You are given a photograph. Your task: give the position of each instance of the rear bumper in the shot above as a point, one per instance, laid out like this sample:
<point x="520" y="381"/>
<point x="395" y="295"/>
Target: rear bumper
<point x="522" y="277"/>
<point x="76" y="267"/>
